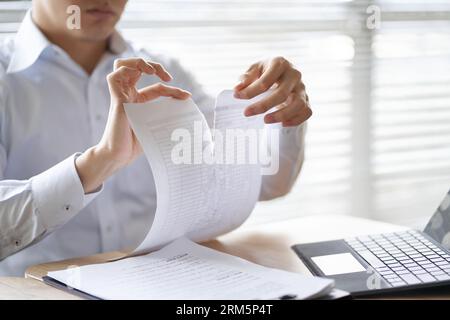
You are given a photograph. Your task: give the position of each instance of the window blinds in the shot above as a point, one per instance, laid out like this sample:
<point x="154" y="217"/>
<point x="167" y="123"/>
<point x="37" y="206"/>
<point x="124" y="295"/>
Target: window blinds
<point x="378" y="144"/>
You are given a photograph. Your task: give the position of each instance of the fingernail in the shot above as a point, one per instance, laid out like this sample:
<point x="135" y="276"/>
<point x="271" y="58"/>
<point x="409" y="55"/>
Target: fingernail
<point x="249" y="112"/>
<point x="242" y="95"/>
<point x="270" y="118"/>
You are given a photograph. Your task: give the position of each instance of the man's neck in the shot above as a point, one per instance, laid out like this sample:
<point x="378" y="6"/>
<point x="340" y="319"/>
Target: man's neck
<point x="86" y="54"/>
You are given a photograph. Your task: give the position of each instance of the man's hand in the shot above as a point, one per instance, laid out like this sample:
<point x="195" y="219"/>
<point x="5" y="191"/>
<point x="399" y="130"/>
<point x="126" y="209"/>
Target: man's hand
<point x="119" y="146"/>
<point x="118" y="138"/>
<point x="289" y="97"/>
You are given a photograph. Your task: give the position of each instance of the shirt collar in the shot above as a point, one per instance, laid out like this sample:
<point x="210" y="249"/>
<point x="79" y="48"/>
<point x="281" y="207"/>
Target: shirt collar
<point x="30" y="42"/>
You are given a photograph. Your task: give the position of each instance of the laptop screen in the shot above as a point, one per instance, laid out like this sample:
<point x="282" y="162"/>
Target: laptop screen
<point x="438" y="227"/>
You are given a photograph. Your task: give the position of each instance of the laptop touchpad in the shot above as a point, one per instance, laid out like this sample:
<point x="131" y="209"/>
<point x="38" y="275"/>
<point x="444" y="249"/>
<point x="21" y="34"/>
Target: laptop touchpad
<point x="338" y="264"/>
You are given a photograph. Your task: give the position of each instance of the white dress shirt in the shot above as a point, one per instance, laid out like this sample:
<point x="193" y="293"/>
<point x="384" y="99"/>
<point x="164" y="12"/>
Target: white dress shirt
<point x="50" y="110"/>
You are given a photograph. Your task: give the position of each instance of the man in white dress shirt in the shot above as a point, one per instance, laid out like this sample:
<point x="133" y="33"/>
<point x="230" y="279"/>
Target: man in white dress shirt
<point x="65" y="139"/>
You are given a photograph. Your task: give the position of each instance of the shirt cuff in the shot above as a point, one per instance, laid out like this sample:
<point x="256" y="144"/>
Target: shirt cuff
<point x="58" y="193"/>
<point x="292" y="139"/>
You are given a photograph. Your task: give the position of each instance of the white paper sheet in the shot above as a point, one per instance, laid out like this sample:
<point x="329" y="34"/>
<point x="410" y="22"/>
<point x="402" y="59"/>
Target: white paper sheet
<point x="199" y="200"/>
<point x="185" y="270"/>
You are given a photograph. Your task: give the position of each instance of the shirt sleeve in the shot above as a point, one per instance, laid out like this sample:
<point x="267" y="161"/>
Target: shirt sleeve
<point x="31" y="209"/>
<point x="286" y="160"/>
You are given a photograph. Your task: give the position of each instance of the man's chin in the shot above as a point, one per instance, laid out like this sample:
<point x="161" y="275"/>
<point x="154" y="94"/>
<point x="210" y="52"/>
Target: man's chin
<point x="94" y="35"/>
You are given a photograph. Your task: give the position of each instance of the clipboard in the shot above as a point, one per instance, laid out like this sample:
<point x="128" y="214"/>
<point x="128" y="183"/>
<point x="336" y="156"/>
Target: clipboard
<point x="61" y="286"/>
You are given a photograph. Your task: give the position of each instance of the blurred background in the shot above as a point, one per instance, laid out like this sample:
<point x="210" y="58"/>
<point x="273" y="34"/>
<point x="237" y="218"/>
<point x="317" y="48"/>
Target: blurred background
<point x="378" y="77"/>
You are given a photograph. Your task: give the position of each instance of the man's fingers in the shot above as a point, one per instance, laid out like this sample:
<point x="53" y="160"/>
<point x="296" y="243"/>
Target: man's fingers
<point x="277" y="97"/>
<point x="123" y="73"/>
<point x="285" y="111"/>
<point x="301" y="90"/>
<point x="162" y="90"/>
<point x="287" y="84"/>
<point x="303" y="115"/>
<point x="161" y="72"/>
<point x="288" y="110"/>
<point x="252" y="74"/>
<point x="268" y="78"/>
<point x="306" y="114"/>
<point x="144" y="66"/>
<point x="135" y="63"/>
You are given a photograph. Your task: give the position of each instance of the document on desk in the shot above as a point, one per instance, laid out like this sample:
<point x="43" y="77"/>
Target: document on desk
<point x="188" y="271"/>
<point x="202" y="192"/>
<point x="198" y="196"/>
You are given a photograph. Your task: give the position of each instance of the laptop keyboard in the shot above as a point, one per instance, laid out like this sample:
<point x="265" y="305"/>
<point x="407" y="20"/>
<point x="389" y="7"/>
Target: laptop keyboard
<point x="403" y="258"/>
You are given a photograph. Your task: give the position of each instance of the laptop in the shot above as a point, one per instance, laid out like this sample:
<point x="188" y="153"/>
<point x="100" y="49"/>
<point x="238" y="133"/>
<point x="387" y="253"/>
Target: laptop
<point x="388" y="262"/>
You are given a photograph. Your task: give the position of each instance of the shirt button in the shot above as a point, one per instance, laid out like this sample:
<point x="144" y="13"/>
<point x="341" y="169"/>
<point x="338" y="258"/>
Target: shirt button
<point x="98" y="117"/>
<point x="67" y="207"/>
<point x="108" y="229"/>
<point x="17" y="243"/>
